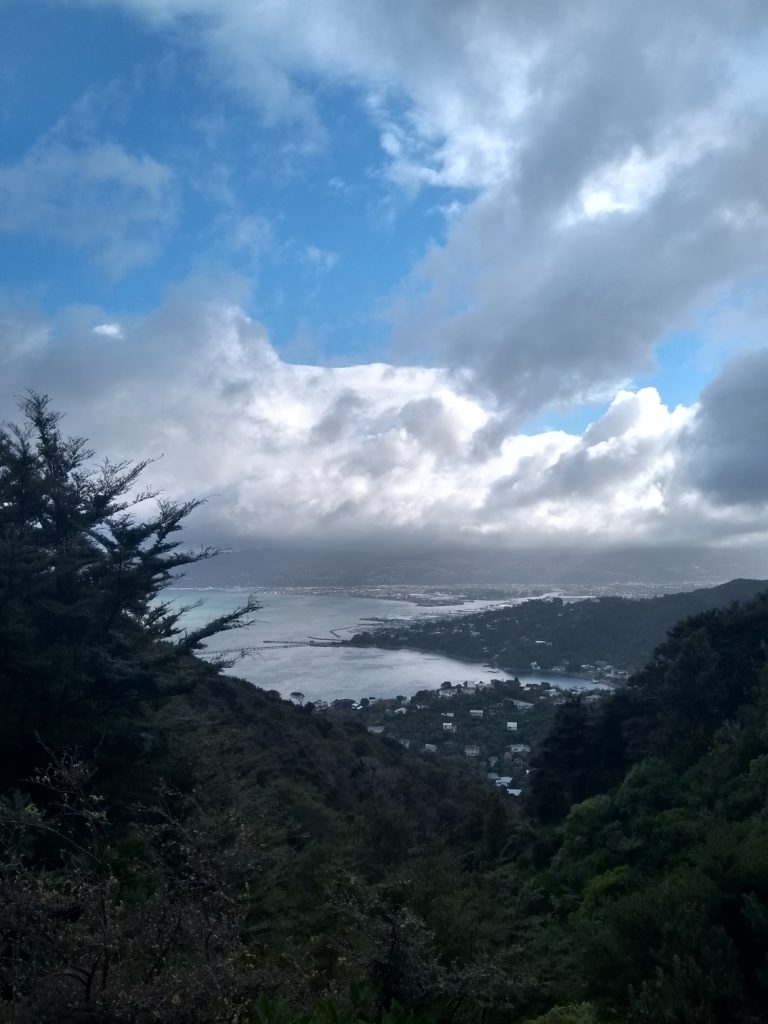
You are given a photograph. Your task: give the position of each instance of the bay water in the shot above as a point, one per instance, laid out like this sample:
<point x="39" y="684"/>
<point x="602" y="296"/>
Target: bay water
<point x="330" y="673"/>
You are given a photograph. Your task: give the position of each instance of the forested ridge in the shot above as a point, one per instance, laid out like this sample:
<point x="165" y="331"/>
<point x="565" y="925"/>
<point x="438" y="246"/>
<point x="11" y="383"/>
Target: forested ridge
<point x="178" y="845"/>
<point x="571" y="635"/>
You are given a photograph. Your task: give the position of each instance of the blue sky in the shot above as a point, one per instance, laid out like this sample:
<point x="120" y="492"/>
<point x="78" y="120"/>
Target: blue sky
<point x="490" y="272"/>
<point x="303" y="215"/>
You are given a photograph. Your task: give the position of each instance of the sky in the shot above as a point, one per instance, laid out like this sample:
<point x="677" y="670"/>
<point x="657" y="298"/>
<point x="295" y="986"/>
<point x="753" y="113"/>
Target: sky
<point x="473" y="271"/>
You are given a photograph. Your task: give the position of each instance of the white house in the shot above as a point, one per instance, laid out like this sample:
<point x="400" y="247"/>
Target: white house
<point x="472" y="751"/>
<point x="401" y="711"/>
<point x="376" y="730"/>
<point x="519" y="748"/>
<point x="511" y="726"/>
<point x="449" y="727"/>
<point x="430" y="748"/>
<point x="476" y="712"/>
<point x="446" y="714"/>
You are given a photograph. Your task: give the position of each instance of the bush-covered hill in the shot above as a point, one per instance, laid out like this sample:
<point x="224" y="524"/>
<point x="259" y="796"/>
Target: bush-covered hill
<point x="617" y="631"/>
<point x="175" y="843"/>
<point x="657" y="862"/>
<point x="179" y="846"/>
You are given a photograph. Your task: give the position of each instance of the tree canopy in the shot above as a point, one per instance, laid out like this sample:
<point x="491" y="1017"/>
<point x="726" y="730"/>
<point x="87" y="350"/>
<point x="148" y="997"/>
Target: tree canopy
<point x="84" y="633"/>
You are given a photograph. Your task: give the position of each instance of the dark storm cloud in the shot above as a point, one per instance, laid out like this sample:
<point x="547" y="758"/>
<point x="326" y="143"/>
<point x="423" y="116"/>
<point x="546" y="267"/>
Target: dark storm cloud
<point x="553" y="313"/>
<point x="726" y="450"/>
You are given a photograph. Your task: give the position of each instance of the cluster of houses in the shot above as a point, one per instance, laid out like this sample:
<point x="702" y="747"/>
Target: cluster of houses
<point x="490" y="726"/>
<point x="604" y="672"/>
<point x="504" y="782"/>
<point x="475" y="729"/>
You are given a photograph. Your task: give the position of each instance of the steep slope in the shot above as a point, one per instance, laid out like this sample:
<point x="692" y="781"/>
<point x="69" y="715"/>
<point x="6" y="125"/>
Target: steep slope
<point x="660" y="876"/>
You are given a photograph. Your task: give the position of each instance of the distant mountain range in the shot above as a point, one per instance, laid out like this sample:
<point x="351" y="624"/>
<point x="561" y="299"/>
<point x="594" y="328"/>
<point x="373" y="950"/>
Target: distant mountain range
<point x="270" y="565"/>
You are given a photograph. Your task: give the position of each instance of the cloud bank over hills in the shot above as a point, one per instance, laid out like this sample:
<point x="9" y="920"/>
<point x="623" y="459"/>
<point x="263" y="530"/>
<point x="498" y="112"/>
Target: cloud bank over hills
<point x="371" y="451"/>
<point x="535" y="235"/>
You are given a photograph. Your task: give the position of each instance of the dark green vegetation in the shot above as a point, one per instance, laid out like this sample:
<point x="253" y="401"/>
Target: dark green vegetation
<point x="178" y="846"/>
<point x="568" y="635"/>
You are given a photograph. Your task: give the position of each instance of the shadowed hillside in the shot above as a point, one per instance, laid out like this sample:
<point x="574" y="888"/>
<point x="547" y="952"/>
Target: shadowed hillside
<point x="573" y="635"/>
<point x="179" y="846"/>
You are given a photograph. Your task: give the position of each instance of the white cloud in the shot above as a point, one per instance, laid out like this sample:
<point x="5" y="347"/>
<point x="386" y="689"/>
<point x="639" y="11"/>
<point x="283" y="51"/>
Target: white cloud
<point x="610" y="159"/>
<point x="295" y="451"/>
<point x="610" y="154"/>
<point x="468" y="95"/>
<point x="465" y="77"/>
<point x="619" y="476"/>
<point x="108" y="330"/>
<point x="544" y="311"/>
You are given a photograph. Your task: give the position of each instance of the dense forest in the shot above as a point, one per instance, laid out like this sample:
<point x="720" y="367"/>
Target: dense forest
<point x="177" y="845"/>
<point x="573" y="636"/>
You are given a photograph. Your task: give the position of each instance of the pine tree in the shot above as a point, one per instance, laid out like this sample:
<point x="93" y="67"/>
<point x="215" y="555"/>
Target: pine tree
<point x="559" y="777"/>
<point x="86" y="642"/>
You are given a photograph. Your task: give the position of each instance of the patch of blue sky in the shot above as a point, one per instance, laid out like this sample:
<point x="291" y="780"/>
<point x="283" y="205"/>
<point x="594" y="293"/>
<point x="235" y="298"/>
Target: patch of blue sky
<point x="678" y="375"/>
<point x="680" y="371"/>
<point x="687" y="360"/>
<point x="573" y="420"/>
<point x="342" y="236"/>
<point x="48" y="272"/>
<point x="308" y="219"/>
<point x="51" y="56"/>
<point x="347" y="298"/>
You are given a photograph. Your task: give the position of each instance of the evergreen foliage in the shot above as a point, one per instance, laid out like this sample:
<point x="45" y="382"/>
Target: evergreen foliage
<point x="180" y="846"/>
<point x="85" y="645"/>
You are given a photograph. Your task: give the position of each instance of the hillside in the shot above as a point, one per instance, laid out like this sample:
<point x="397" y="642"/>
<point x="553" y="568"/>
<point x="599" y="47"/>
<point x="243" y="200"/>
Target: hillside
<point x="179" y="846"/>
<point x="658" y="844"/>
<point x="570" y="635"/>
